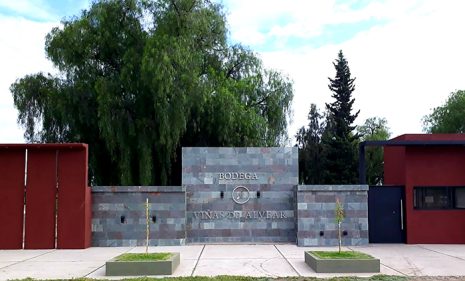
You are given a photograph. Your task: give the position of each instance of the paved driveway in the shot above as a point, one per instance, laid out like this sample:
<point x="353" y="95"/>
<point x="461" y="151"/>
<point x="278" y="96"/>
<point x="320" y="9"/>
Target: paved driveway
<point x="251" y="260"/>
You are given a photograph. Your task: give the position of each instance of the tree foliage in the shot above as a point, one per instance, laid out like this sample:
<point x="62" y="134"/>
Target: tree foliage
<point x="139" y="79"/>
<point x="449" y="117"/>
<point x="374" y="129"/>
<point x="340" y="143"/>
<point x="340" y="110"/>
<point x="328" y="146"/>
<point x="310" y="149"/>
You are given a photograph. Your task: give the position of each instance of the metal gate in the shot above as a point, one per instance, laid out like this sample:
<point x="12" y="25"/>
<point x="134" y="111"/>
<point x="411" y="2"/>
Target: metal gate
<point x="44" y="198"/>
<point x="386" y="214"/>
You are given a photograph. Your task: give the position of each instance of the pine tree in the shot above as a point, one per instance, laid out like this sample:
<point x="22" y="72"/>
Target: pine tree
<point x="339" y="141"/>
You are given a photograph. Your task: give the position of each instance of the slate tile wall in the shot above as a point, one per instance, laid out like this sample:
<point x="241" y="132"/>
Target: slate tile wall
<point x="316" y="213"/>
<point x="197" y="213"/>
<point x="111" y="203"/>
<point x="277" y="177"/>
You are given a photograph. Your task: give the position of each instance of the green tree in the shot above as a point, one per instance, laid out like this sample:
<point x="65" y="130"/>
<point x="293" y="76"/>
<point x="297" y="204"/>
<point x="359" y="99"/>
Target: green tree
<point x="339" y="141"/>
<point x="310" y="149"/>
<point x="138" y="79"/>
<point x="374" y="129"/>
<point x="449" y="117"/>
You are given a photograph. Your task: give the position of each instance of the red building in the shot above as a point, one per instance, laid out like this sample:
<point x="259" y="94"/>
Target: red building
<point x="431" y="167"/>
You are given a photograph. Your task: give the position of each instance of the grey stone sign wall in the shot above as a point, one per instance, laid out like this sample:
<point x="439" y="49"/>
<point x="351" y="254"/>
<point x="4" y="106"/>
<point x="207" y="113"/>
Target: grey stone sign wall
<point x="231" y="195"/>
<point x="240" y="194"/>
<point x="118" y="215"/>
<point x="316" y="224"/>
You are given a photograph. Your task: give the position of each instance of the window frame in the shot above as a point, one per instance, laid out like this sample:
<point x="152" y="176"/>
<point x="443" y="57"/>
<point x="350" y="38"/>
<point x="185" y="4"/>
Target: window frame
<point x="455" y="198"/>
<point x="451" y="191"/>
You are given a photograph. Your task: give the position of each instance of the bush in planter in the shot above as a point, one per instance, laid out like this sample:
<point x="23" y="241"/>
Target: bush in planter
<point x="341" y="261"/>
<point x="143" y="263"/>
<point x="339" y="218"/>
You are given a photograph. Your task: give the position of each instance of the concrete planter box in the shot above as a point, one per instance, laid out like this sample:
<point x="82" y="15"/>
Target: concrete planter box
<point x="131" y="268"/>
<point x="320" y="265"/>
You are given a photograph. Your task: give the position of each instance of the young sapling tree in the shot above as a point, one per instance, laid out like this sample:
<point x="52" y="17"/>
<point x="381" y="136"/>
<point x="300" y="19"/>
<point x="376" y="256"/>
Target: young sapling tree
<point x="147" y="222"/>
<point x="339" y="218"/>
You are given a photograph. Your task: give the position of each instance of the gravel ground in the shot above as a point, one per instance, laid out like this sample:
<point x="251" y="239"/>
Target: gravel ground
<point x="438" y="278"/>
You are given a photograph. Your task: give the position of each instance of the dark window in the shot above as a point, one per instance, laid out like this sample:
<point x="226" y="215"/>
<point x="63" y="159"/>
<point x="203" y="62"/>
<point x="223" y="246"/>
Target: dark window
<point x="434" y="198"/>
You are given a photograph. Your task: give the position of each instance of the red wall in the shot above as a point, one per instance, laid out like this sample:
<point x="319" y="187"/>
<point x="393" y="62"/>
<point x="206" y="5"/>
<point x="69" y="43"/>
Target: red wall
<point x="56" y="176"/>
<point x="394" y="165"/>
<point x="11" y="198"/>
<point x="74" y="206"/>
<point x="428" y="166"/>
<point x="40" y="199"/>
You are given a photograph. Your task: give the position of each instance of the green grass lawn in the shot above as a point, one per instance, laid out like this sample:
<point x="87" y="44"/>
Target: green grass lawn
<point x="243" y="278"/>
<point x="341" y="255"/>
<point x="143" y="257"/>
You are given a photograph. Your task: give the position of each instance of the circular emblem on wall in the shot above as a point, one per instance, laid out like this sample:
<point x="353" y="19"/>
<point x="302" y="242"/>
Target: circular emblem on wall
<point x="240" y="194"/>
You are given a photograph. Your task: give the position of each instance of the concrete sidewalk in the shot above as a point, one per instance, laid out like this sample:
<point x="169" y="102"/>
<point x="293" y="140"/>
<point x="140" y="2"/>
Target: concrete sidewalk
<point x="278" y="260"/>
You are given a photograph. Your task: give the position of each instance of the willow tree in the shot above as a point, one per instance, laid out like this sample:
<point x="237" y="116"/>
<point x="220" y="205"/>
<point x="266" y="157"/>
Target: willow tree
<point x="138" y="79"/>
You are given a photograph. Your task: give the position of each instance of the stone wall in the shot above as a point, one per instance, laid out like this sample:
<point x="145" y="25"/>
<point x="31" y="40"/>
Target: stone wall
<point x="316" y="225"/>
<point x="118" y="215"/>
<point x="263" y="177"/>
<point x="236" y="195"/>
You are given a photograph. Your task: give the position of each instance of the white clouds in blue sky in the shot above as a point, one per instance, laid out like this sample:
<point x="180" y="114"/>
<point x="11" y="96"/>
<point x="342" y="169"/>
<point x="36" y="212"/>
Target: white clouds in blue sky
<point x="406" y="55"/>
<point x="42" y="10"/>
<point x="272" y="24"/>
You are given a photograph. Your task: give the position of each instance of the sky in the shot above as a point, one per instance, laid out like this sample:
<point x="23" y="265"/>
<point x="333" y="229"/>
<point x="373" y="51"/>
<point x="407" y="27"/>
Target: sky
<point x="407" y="56"/>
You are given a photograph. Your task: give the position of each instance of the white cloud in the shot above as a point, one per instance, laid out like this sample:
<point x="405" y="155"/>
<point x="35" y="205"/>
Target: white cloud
<point x="27" y="7"/>
<point x="404" y="68"/>
<point x="21" y="53"/>
<point x="42" y="10"/>
<point x="302" y="18"/>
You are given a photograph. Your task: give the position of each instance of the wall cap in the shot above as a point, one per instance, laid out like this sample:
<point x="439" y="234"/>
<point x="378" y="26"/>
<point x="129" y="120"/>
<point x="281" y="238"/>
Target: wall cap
<point x="166" y="189"/>
<point x="329" y="188"/>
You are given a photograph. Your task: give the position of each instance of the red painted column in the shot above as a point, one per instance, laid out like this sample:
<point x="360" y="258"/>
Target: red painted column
<point x="40" y="199"/>
<point x="12" y="163"/>
<point x="74" y="206"/>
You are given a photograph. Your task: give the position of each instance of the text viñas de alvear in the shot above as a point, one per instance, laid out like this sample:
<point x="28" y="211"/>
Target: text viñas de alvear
<point x="212" y="215"/>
